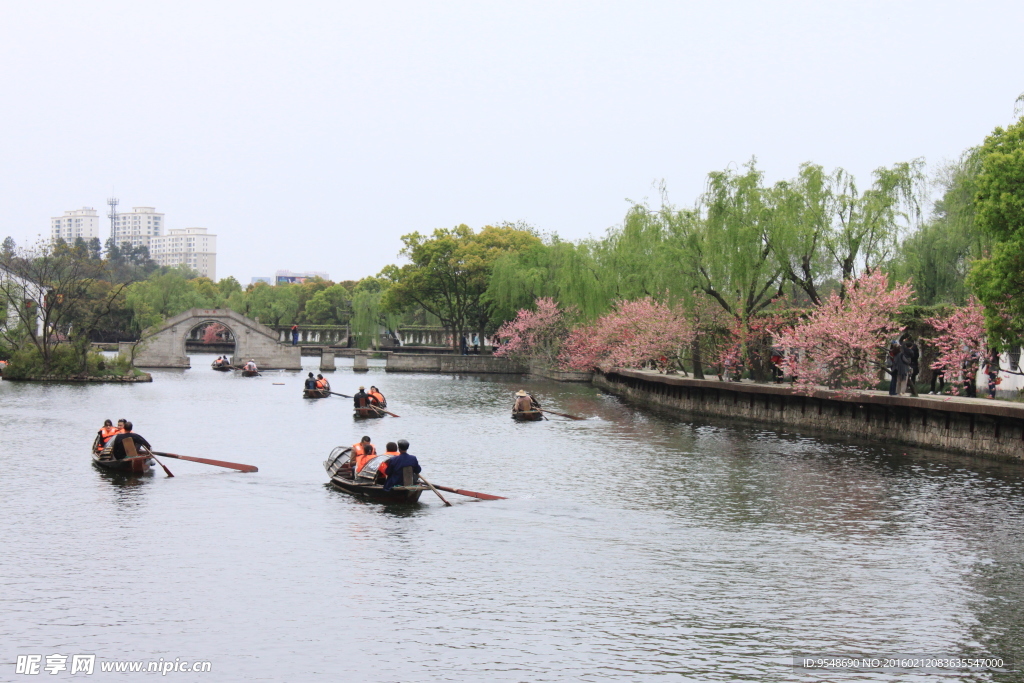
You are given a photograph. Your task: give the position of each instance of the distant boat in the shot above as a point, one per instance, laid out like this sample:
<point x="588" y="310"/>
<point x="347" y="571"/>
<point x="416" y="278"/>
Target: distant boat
<point x="221" y="368"/>
<point x="316" y="393"/>
<point x="528" y="416"/>
<point x="134" y="462"/>
<point x="368" y="483"/>
<point x="250" y="373"/>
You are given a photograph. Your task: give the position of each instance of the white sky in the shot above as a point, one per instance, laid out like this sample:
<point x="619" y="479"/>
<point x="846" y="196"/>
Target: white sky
<point x="312" y="135"/>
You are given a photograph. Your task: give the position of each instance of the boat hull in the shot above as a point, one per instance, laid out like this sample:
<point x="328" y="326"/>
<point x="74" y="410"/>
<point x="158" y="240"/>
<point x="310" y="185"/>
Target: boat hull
<point x="221" y="368"/>
<point x="528" y="416"/>
<point x="137" y="465"/>
<point x="250" y="373"/>
<point x="399" y="494"/>
<point x="316" y="393"/>
<point x="365" y="413"/>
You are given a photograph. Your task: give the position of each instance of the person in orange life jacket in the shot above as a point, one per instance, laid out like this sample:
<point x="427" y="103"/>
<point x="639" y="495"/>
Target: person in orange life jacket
<point x="391" y="450"/>
<point x="361" y="399"/>
<point x="117" y="450"/>
<point x="310" y="382"/>
<point x="322" y="383"/>
<point x="398" y="463"/>
<point x="362" y="453"/>
<point x="107" y="431"/>
<point x="377" y="398"/>
<point x="251" y="366"/>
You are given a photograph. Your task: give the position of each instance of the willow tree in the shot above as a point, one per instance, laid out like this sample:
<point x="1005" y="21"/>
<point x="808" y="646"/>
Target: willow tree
<point x="723" y="248"/>
<point x="449" y="272"/>
<point x="828" y="230"/>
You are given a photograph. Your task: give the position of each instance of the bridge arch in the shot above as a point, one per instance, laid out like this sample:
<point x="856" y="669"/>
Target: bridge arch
<point x="163" y="346"/>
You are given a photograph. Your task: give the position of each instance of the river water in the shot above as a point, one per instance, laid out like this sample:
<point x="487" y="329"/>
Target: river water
<point x="633" y="546"/>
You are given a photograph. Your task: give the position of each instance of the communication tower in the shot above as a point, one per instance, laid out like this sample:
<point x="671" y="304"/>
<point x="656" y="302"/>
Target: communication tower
<point x="112" y="215"/>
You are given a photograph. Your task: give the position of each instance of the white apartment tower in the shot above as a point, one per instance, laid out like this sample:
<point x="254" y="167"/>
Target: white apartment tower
<point x="82" y="223"/>
<point x="139" y="226"/>
<point x="192" y="247"/>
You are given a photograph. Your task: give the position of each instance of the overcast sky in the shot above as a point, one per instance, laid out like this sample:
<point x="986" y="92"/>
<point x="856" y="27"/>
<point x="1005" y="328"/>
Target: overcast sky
<point x="312" y="135"/>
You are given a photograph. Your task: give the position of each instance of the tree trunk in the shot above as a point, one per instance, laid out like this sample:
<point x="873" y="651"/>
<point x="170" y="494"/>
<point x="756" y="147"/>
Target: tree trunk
<point x="698" y="367"/>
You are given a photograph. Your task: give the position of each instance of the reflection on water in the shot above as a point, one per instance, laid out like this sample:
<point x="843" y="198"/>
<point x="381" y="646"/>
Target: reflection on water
<point x="632" y="545"/>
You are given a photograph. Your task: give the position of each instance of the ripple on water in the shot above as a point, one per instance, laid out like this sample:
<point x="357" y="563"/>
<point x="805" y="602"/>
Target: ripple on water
<point x="632" y="545"/>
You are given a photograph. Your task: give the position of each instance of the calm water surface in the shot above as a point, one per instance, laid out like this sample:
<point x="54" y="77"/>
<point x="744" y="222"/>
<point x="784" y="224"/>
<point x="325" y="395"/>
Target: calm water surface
<point x="632" y="547"/>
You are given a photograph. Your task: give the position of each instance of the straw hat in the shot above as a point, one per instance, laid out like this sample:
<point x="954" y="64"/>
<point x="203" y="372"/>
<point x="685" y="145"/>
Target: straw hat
<point x="362" y="388"/>
<point x="520" y="393"/>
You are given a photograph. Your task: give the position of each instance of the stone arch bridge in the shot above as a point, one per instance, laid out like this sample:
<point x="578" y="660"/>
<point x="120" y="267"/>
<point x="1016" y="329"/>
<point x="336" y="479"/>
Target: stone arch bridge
<point x="163" y="346"/>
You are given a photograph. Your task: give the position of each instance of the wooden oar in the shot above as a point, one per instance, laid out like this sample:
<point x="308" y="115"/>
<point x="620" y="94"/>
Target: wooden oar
<point x="161" y="464"/>
<point x="471" y="494"/>
<point x="571" y="417"/>
<point x="424" y="480"/>
<point x="381" y="410"/>
<point x="217" y="463"/>
<point x="337" y="394"/>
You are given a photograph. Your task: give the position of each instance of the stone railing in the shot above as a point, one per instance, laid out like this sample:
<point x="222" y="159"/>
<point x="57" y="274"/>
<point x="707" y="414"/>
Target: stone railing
<point x="317" y="335"/>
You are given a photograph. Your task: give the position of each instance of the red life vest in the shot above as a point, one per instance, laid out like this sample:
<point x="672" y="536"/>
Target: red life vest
<point x="383" y="469"/>
<point x="377" y="397"/>
<point x="362" y="454"/>
<point x="321" y="383"/>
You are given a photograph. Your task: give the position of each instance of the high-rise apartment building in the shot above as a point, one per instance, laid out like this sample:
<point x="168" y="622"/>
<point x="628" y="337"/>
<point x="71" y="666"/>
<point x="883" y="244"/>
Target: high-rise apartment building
<point x="138" y="227"/>
<point x="192" y="247"/>
<point x="82" y="223"/>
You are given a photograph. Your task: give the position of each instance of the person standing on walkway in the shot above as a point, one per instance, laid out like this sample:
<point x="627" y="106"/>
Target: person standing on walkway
<point x="903" y="367"/>
<point x="915" y="364"/>
<point x="970" y="369"/>
<point x="295" y="335"/>
<point x="890" y="365"/>
<point x="992" y="370"/>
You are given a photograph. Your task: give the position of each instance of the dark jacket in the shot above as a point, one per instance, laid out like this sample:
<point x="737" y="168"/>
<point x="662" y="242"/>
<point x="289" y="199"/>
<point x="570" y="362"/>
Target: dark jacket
<point x="361" y="399"/>
<point x="310" y="383"/>
<point x="117" y="450"/>
<point x="395" y="466"/>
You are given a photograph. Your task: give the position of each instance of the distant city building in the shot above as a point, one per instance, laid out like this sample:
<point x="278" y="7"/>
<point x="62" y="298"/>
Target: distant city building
<point x="287" y="277"/>
<point x="82" y="223"/>
<point x="192" y="247"/>
<point x="138" y="227"/>
<point x="268" y="280"/>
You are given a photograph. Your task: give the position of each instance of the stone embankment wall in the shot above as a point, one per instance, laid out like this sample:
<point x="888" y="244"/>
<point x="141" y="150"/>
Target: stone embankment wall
<point x="991" y="430"/>
<point x="451" y="363"/>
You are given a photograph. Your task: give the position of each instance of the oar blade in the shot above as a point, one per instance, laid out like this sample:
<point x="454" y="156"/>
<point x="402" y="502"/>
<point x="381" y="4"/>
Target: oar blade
<point x="217" y="463"/>
<point x="470" y="494"/>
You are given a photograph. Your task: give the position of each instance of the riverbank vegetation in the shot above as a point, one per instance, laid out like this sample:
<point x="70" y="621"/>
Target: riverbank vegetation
<point x="747" y="267"/>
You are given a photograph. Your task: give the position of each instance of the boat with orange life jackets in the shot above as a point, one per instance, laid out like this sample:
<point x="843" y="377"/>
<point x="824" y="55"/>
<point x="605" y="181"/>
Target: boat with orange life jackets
<point x="316" y="387"/>
<point x="137" y="458"/>
<point x="368" y="482"/>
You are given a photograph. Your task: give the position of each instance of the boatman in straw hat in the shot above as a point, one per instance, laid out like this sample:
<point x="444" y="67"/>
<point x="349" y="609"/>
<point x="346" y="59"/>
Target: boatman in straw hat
<point x="524" y="402"/>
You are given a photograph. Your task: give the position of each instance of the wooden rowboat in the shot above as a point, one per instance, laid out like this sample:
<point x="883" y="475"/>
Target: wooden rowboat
<point x="316" y="393"/>
<point x="134" y="462"/>
<point x="368" y="484"/>
<point x="221" y="368"/>
<point x="528" y="416"/>
<point x="250" y="373"/>
<point x="368" y="412"/>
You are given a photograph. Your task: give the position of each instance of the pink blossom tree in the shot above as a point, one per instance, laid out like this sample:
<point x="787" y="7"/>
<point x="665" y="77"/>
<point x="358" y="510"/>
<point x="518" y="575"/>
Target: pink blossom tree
<point x="633" y="334"/>
<point x="214" y="333"/>
<point x="960" y="342"/>
<point x="535" y="335"/>
<point x="841" y="344"/>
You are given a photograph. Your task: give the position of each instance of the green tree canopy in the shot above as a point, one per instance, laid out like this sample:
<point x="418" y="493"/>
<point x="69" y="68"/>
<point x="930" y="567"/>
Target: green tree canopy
<point x="449" y="272"/>
<point x="998" y="279"/>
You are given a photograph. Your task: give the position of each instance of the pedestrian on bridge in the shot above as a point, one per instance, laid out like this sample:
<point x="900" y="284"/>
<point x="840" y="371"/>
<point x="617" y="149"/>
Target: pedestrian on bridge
<point x="295" y="335"/>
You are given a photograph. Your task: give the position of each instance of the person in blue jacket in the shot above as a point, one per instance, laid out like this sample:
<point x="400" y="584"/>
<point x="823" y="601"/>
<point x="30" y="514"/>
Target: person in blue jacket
<point x="395" y="465"/>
